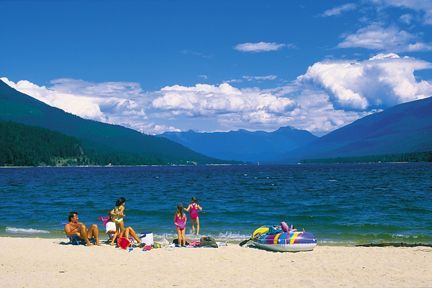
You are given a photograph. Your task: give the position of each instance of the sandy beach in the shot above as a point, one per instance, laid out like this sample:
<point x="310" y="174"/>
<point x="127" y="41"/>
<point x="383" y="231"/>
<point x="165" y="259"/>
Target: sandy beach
<point x="35" y="262"/>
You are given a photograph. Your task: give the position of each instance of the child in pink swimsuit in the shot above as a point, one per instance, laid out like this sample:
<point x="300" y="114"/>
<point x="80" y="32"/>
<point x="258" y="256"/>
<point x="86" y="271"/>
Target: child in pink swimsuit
<point x="180" y="220"/>
<point x="193" y="209"/>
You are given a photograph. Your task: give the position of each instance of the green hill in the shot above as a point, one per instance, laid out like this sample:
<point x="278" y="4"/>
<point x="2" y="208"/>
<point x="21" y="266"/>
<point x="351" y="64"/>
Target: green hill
<point x="23" y="145"/>
<point x="108" y="143"/>
<point x="404" y="128"/>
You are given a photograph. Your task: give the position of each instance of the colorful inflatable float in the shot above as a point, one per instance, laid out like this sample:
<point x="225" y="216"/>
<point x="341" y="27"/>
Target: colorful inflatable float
<point x="282" y="239"/>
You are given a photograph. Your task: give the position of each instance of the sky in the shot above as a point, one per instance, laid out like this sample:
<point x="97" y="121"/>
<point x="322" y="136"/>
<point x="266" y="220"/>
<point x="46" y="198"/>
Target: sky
<point x="161" y="65"/>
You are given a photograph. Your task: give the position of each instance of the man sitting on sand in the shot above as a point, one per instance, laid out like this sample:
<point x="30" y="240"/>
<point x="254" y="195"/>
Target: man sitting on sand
<point x="78" y="231"/>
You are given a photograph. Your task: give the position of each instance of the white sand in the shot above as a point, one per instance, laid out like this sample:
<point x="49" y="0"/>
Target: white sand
<point x="34" y="262"/>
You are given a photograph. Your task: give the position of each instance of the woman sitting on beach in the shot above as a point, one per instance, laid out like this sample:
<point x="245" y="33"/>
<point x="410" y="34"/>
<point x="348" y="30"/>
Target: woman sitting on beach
<point x="115" y="233"/>
<point x="180" y="220"/>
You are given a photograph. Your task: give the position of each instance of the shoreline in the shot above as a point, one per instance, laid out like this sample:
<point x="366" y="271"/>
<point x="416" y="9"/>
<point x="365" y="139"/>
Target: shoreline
<point x="232" y="242"/>
<point x="37" y="262"/>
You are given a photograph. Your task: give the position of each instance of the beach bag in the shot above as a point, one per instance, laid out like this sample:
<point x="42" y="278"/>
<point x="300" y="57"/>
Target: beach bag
<point x="176" y="242"/>
<point x="146" y="238"/>
<point x="207" y="241"/>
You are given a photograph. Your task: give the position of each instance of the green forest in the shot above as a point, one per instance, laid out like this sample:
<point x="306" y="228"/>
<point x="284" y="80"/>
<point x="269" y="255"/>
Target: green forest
<point x="24" y="145"/>
<point x="402" y="157"/>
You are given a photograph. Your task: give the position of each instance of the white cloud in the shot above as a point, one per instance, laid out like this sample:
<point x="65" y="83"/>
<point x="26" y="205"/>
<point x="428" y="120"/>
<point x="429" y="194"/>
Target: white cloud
<point x="259" y="47"/>
<point x="339" y="10"/>
<point x="204" y="99"/>
<point x="379" y="82"/>
<point x="111" y="102"/>
<point x="249" y="78"/>
<point x="376" y="37"/>
<point x="78" y="104"/>
<point x="260" y="78"/>
<point x="422" y="6"/>
<point x="330" y="94"/>
<point x="406" y="18"/>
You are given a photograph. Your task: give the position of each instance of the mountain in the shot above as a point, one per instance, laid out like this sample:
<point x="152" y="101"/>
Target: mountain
<point x="99" y="138"/>
<point x="403" y="128"/>
<point x="243" y="145"/>
<point x="24" y="145"/>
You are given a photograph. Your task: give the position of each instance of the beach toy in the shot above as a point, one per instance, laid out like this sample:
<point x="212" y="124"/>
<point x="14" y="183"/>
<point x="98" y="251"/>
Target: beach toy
<point x="282" y="240"/>
<point x="292" y="241"/>
<point x="284" y="226"/>
<point x="260" y="231"/>
<point x="123" y="243"/>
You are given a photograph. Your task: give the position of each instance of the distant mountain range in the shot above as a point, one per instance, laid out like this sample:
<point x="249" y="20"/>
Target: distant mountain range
<point x="403" y="128"/>
<point x="242" y="145"/>
<point x="108" y="143"/>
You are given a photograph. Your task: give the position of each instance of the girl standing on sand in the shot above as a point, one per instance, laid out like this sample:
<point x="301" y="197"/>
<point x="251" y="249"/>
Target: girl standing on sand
<point x="118" y="213"/>
<point x="193" y="209"/>
<point x="180" y="220"/>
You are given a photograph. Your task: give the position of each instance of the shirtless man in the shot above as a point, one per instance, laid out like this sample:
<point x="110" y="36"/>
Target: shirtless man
<point x="79" y="231"/>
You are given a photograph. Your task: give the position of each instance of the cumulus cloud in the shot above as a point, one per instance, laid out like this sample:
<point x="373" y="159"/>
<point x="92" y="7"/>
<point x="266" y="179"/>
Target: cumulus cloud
<point x="329" y="95"/>
<point x="204" y="99"/>
<point x="111" y="102"/>
<point x="339" y="10"/>
<point x="259" y="47"/>
<point x="379" y="82"/>
<point x="376" y="37"/>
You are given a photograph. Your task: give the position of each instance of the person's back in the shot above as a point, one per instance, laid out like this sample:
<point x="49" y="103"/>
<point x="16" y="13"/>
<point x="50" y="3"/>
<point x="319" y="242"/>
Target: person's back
<point x="193" y="210"/>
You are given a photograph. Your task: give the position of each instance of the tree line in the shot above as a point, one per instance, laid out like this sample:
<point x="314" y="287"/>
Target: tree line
<point x="399" y="157"/>
<point x="24" y="145"/>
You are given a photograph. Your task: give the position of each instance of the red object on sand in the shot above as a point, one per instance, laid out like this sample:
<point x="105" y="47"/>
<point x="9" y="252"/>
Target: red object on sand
<point x="123" y="243"/>
<point x="147" y="248"/>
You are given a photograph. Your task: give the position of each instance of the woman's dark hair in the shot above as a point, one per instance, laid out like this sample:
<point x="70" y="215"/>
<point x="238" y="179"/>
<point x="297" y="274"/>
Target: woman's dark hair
<point x="72" y="215"/>
<point x="194" y="200"/>
<point x="120" y="201"/>
<point x="180" y="209"/>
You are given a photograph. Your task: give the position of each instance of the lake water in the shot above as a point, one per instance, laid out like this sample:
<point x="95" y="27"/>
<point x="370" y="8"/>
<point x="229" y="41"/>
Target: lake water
<point x="340" y="203"/>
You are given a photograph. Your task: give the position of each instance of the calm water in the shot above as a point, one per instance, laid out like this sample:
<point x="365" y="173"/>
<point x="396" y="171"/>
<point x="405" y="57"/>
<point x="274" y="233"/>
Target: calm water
<point x="357" y="203"/>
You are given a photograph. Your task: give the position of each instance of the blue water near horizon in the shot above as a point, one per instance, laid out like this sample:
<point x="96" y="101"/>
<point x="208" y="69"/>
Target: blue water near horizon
<point x="339" y="203"/>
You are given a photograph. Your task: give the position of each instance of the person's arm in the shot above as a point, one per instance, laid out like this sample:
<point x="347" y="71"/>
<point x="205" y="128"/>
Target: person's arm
<point x="187" y="209"/>
<point x="199" y="207"/>
<point x="175" y="223"/>
<point x="70" y="231"/>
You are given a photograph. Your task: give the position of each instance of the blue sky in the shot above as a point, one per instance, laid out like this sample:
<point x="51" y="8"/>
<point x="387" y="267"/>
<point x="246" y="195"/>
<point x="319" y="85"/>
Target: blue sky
<point x="219" y="65"/>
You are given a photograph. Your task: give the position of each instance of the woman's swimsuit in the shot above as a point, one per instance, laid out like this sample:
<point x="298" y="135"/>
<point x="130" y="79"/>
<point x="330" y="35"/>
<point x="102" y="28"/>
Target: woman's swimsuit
<point x="193" y="211"/>
<point x="180" y="222"/>
<point x="118" y="219"/>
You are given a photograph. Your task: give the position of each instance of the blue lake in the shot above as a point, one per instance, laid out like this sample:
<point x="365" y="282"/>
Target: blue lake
<point x="340" y="203"/>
